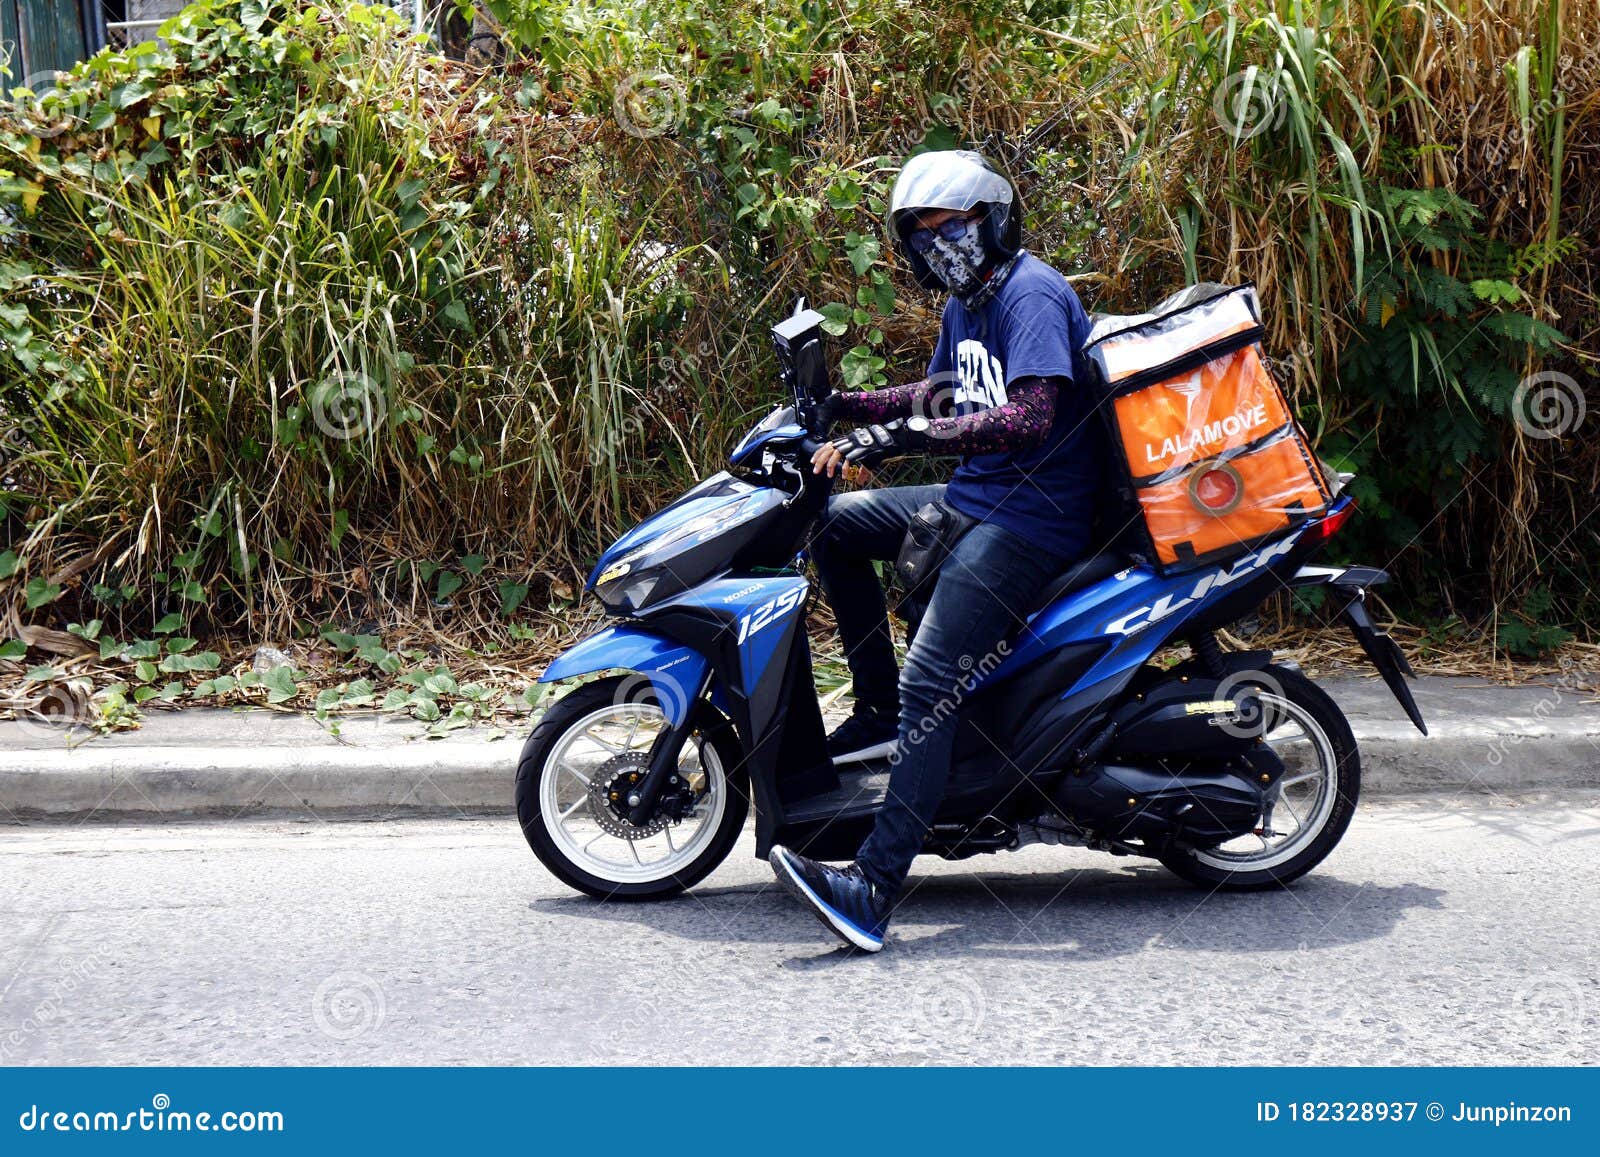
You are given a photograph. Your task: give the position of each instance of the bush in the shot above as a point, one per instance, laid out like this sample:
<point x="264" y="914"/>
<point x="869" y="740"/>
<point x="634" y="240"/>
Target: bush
<point x="302" y="322"/>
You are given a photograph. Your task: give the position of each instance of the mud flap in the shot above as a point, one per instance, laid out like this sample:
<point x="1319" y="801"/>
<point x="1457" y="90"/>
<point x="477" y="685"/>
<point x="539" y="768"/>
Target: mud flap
<point x="1384" y="653"/>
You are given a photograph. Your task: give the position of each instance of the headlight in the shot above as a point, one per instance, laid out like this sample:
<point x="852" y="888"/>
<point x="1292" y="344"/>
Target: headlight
<point x="621" y="588"/>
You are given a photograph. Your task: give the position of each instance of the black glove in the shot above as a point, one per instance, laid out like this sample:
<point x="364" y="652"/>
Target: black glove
<point x="873" y="444"/>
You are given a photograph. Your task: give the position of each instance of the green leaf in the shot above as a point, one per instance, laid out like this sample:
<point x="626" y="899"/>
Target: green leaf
<point x="441" y="684"/>
<point x="8" y="564"/>
<point x="341" y="524"/>
<point x="1493" y="290"/>
<point x="179" y="644"/>
<point x="169" y="623"/>
<point x="280" y="684"/>
<point x="13" y="649"/>
<point x="862" y="249"/>
<point x="844" y="193"/>
<point x="191" y="592"/>
<point x="473" y="564"/>
<point x="41" y="674"/>
<point x="145" y="671"/>
<point x="204" y="661"/>
<point x="449" y="584"/>
<point x="39" y="592"/>
<point x="511" y="597"/>
<point x="88" y="632"/>
<point x="836" y="318"/>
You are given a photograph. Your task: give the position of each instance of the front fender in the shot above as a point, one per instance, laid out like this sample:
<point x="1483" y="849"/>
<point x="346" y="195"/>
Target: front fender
<point x="676" y="672"/>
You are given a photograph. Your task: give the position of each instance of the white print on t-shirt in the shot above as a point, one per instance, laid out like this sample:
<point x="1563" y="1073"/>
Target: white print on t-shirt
<point x="979" y="376"/>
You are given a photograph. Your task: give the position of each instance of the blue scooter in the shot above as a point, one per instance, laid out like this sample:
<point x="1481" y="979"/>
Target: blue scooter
<point x="1231" y="769"/>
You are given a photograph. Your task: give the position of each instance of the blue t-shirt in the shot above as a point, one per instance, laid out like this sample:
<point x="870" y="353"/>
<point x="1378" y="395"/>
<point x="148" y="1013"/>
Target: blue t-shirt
<point x="1034" y="327"/>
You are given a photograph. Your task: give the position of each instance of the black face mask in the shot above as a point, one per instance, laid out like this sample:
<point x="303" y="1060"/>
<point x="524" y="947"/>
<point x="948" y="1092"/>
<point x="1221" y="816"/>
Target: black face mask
<point x="959" y="264"/>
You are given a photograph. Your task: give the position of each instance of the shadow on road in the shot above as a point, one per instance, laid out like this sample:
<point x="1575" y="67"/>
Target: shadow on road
<point x="1088" y="915"/>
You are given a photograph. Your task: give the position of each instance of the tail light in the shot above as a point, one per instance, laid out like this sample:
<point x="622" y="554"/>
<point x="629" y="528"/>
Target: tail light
<point x="1333" y="522"/>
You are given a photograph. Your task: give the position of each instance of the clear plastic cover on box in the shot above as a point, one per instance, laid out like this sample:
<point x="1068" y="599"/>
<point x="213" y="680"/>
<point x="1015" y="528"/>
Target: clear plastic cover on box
<point x="1213" y="455"/>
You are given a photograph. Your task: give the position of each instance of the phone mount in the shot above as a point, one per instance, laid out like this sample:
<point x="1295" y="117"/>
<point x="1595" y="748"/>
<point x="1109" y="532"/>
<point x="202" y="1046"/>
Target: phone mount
<point x="802" y="360"/>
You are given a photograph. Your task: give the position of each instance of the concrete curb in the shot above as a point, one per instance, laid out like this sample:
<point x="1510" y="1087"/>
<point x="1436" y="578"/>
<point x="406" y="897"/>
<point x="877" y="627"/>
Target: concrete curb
<point x="1484" y="739"/>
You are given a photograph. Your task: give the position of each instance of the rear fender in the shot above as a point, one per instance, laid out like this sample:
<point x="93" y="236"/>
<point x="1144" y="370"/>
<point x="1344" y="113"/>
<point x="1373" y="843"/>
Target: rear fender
<point x="676" y="673"/>
<point x="1350" y="584"/>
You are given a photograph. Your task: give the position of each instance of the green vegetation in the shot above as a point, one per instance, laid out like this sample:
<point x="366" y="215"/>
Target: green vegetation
<point x="302" y="325"/>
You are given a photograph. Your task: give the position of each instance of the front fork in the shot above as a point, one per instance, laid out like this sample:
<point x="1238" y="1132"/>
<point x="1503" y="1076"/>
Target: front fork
<point x="662" y="769"/>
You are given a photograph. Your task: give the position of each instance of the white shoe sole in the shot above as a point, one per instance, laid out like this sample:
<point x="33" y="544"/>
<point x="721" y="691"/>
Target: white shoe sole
<point x="833" y="920"/>
<point x="876" y="751"/>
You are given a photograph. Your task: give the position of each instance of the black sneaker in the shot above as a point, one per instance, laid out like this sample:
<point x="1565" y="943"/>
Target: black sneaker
<point x="869" y="733"/>
<point x="849" y="906"/>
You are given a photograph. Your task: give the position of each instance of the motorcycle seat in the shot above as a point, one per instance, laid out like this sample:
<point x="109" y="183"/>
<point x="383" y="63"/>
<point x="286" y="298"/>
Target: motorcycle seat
<point x="1085" y="572"/>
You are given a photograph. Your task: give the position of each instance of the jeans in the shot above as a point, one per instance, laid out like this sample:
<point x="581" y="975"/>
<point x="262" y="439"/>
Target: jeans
<point x="981" y="598"/>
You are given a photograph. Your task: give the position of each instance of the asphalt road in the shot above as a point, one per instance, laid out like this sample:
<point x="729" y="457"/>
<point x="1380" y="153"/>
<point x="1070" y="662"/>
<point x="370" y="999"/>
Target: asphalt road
<point x="1442" y="931"/>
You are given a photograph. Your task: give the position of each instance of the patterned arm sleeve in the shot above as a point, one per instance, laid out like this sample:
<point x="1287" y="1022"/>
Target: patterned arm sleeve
<point x="1022" y="423"/>
<point x="882" y="405"/>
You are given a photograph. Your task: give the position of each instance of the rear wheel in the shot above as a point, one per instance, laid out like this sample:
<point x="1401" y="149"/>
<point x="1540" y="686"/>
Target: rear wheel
<point x="1315" y="797"/>
<point x="572" y="784"/>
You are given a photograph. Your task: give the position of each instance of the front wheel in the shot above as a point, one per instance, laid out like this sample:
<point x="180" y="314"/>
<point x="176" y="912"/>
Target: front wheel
<point x="1315" y="798"/>
<point x="572" y="785"/>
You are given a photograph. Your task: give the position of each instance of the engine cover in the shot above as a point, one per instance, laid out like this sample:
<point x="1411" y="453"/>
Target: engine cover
<point x="1185" y="718"/>
<point x="1193" y="805"/>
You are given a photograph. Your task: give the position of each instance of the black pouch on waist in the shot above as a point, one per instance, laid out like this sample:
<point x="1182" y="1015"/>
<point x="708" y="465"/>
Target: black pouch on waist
<point x="931" y="536"/>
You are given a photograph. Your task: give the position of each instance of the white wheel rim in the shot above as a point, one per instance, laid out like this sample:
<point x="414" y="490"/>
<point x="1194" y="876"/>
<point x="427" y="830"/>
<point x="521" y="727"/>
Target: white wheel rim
<point x="603" y="734"/>
<point x="1308" y="790"/>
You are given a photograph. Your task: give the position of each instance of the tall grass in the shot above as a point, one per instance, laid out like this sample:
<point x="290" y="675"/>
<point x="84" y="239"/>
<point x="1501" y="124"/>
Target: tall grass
<point x="303" y="323"/>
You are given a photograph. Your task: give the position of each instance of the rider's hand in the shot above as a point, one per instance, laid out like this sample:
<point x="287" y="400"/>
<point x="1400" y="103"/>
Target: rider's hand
<point x="873" y="444"/>
<point x="827" y="460"/>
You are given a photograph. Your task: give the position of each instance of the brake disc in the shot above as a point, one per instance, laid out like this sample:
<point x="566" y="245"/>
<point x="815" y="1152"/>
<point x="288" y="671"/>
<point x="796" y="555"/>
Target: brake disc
<point x="609" y="789"/>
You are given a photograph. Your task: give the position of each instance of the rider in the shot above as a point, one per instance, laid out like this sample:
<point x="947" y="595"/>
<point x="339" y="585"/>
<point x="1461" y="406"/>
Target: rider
<point x="1006" y="391"/>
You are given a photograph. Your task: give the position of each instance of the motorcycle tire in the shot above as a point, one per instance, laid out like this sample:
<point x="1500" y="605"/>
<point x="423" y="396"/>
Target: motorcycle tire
<point x="1324" y="712"/>
<point x="533" y="765"/>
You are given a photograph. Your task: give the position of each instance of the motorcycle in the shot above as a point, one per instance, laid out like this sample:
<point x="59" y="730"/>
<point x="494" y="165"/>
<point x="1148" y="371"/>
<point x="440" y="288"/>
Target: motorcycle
<point x="1230" y="768"/>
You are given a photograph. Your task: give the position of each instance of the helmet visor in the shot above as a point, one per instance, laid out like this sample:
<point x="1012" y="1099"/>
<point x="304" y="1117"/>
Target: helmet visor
<point x="957" y="179"/>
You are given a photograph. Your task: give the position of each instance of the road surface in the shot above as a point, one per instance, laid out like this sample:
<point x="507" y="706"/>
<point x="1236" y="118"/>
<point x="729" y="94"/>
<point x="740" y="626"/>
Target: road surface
<point x="1443" y="931"/>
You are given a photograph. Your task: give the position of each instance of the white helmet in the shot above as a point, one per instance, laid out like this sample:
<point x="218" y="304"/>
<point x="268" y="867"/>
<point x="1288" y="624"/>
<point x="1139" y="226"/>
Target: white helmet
<point x="956" y="179"/>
